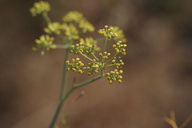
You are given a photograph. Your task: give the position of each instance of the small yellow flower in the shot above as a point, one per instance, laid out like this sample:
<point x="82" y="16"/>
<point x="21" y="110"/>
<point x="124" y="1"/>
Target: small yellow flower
<point x="80" y="71"/>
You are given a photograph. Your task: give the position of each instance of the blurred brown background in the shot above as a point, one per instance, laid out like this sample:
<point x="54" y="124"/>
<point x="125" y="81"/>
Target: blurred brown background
<point x="157" y="74"/>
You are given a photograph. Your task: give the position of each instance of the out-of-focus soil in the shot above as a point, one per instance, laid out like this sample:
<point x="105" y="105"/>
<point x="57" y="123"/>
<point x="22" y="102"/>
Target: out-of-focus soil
<point x="157" y="72"/>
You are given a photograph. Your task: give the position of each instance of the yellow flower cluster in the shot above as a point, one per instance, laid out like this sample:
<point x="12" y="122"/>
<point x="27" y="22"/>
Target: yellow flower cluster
<point x="94" y="66"/>
<point x="120" y="35"/>
<point x="105" y="55"/>
<point x="40" y="7"/>
<point x="117" y="61"/>
<point x="107" y="32"/>
<point x="86" y="26"/>
<point x="45" y="42"/>
<point x="114" y="75"/>
<point x="70" y="31"/>
<point x="54" y="27"/>
<point x="75" y="65"/>
<point x="113" y="32"/>
<point x="120" y="48"/>
<point x="73" y="16"/>
<point x="87" y="45"/>
<point x="76" y="17"/>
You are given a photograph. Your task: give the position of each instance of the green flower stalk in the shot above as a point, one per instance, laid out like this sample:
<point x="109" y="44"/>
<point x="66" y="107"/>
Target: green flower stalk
<point x="70" y="31"/>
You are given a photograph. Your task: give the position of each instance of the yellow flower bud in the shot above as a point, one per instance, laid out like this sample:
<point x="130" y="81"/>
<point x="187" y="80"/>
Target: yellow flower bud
<point x="82" y="64"/>
<point x="80" y="71"/>
<point x="107" y="74"/>
<point x="120" y="71"/>
<point x="120" y="77"/>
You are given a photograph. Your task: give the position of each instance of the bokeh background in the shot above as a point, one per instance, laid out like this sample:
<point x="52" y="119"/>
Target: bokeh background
<point x="157" y="73"/>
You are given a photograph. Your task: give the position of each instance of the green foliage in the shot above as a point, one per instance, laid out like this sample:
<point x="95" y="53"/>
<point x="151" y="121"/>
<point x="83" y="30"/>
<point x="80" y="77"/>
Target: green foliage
<point x="70" y="31"/>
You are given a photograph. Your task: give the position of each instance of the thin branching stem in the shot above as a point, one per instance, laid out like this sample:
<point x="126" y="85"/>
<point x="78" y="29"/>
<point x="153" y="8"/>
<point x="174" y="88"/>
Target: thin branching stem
<point x="63" y="99"/>
<point x="86" y="57"/>
<point x="105" y="44"/>
<point x="94" y="56"/>
<point x="112" y="57"/>
<point x="64" y="79"/>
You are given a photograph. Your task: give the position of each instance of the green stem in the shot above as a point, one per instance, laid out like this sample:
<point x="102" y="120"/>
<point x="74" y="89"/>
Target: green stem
<point x="47" y="19"/>
<point x="56" y="115"/>
<point x="94" y="56"/>
<point x="110" y="65"/>
<point x="111" y="58"/>
<point x="62" y="46"/>
<point x="67" y="95"/>
<point x="64" y="79"/>
<point x="86" y="57"/>
<point x="87" y="82"/>
<point x="84" y="67"/>
<point x="103" y="59"/>
<point x="100" y="40"/>
<point x="105" y="44"/>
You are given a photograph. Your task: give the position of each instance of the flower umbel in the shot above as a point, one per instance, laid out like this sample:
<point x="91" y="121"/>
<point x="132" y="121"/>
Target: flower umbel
<point x="75" y="65"/>
<point x="117" y="62"/>
<point x="76" y="17"/>
<point x="113" y="32"/>
<point x="87" y="45"/>
<point x="45" y="42"/>
<point x="94" y="66"/>
<point x="120" y="35"/>
<point x="40" y="8"/>
<point x="54" y="27"/>
<point x="105" y="55"/>
<point x="120" y="48"/>
<point x="107" y="32"/>
<point x="73" y="16"/>
<point x="86" y="26"/>
<point x="114" y="75"/>
<point x="71" y="31"/>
